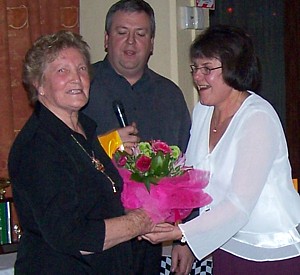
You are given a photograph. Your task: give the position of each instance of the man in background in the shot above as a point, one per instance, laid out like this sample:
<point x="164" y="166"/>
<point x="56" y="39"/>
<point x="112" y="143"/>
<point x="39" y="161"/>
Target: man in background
<point x="154" y="105"/>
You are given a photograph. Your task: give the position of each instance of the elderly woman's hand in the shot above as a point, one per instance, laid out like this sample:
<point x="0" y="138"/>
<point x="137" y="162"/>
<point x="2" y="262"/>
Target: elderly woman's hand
<point x="120" y="229"/>
<point x="133" y="224"/>
<point x="140" y="221"/>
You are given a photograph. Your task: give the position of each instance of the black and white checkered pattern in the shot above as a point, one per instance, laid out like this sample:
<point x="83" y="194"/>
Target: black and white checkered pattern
<point x="199" y="268"/>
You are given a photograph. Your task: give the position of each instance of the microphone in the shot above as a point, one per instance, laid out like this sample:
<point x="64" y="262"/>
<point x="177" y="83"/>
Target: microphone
<point x="120" y="113"/>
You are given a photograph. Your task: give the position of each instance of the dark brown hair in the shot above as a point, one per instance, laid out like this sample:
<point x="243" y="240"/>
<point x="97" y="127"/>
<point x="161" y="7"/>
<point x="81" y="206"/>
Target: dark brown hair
<point x="130" y="6"/>
<point x="234" y="48"/>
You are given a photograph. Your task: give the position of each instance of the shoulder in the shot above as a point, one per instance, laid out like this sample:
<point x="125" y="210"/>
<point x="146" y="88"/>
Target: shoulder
<point x="88" y="123"/>
<point x="257" y="105"/>
<point x="27" y="132"/>
<point x="164" y="84"/>
<point x="29" y="147"/>
<point x="201" y="109"/>
<point x="259" y="116"/>
<point x="96" y="69"/>
<point x="98" y="64"/>
<point x="154" y="76"/>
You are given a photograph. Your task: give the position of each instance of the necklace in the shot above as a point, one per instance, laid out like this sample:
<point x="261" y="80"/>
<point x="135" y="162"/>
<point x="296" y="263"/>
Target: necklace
<point x="216" y="127"/>
<point x="97" y="164"/>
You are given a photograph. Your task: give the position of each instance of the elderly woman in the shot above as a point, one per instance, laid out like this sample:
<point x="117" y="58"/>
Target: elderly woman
<point x="252" y="225"/>
<point x="65" y="188"/>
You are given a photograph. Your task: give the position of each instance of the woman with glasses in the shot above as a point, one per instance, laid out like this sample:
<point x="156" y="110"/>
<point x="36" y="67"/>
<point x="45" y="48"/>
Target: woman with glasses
<point x="252" y="225"/>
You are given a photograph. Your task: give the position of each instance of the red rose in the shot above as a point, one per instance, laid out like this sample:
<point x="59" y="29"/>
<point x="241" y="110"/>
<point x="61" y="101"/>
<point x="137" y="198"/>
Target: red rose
<point x="122" y="161"/>
<point x="161" y="146"/>
<point x="143" y="163"/>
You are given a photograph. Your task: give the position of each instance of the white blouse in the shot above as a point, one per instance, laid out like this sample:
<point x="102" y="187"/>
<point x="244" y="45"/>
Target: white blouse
<point x="255" y="208"/>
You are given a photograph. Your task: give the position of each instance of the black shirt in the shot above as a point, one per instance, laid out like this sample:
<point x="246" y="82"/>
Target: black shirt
<point x="62" y="200"/>
<point x="154" y="102"/>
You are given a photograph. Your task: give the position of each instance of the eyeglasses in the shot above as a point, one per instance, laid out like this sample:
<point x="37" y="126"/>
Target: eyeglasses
<point x="204" y="70"/>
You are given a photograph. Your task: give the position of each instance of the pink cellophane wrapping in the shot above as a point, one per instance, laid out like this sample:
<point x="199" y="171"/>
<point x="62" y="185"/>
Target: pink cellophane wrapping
<point x="172" y="199"/>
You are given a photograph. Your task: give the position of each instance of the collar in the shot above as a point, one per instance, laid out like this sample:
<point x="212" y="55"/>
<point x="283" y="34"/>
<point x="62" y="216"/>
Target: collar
<point x="109" y="75"/>
<point x="57" y="127"/>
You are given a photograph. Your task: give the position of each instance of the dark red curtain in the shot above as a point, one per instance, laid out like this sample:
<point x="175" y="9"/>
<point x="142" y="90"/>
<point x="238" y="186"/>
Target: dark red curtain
<point x="275" y="29"/>
<point x="292" y="75"/>
<point x="21" y="22"/>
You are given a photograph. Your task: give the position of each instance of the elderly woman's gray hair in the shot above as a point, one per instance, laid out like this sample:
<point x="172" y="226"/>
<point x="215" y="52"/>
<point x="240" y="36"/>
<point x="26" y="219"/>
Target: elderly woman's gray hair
<point x="45" y="50"/>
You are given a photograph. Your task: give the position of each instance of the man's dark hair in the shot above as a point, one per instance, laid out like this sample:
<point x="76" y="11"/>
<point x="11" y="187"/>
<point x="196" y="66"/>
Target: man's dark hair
<point x="130" y="6"/>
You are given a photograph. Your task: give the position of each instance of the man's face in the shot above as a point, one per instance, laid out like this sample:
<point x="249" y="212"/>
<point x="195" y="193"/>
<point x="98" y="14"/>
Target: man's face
<point x="129" y="44"/>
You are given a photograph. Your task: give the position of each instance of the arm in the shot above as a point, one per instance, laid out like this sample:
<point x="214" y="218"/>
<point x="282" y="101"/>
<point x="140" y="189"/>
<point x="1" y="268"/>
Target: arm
<point x="182" y="259"/>
<point x="182" y="256"/>
<point x="124" y="228"/>
<point x="58" y="201"/>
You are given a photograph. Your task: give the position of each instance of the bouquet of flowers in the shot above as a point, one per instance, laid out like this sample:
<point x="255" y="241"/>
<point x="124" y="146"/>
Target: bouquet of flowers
<point x="156" y="179"/>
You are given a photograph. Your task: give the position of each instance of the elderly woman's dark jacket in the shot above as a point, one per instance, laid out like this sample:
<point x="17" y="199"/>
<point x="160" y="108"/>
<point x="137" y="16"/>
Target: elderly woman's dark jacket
<point x="62" y="200"/>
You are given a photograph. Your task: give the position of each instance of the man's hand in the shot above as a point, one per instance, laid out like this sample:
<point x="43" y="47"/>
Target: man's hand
<point x="182" y="260"/>
<point x="129" y="137"/>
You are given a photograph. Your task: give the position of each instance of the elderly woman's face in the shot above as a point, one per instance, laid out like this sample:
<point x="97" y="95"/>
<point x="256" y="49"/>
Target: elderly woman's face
<point x="66" y="83"/>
